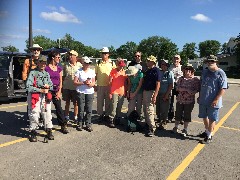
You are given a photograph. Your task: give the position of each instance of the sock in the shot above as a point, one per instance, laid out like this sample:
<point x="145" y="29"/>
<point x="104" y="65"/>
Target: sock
<point x="177" y="124"/>
<point x="185" y="129"/>
<point x="210" y="135"/>
<point x="75" y="117"/>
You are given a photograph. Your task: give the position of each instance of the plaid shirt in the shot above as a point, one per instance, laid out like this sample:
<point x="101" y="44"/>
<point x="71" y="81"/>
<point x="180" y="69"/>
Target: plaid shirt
<point x="192" y="86"/>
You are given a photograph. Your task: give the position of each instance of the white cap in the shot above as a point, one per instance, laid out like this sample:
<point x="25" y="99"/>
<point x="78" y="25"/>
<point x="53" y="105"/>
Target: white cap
<point x="86" y="60"/>
<point x="105" y="50"/>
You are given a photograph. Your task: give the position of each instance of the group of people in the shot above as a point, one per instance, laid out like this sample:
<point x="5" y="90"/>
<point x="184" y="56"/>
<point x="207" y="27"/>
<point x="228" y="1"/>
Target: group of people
<point x="146" y="87"/>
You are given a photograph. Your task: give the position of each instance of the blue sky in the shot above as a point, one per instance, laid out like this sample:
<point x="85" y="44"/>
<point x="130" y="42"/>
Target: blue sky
<point x="99" y="23"/>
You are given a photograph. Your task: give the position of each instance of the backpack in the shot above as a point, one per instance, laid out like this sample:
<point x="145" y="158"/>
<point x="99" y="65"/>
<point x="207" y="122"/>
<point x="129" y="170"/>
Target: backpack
<point x="132" y="122"/>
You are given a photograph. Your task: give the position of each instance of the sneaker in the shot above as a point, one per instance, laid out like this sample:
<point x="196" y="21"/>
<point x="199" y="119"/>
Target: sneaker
<point x="175" y="130"/>
<point x="75" y="120"/>
<point x="203" y="135"/>
<point x="207" y="140"/>
<point x="89" y="128"/>
<point x="150" y="133"/>
<point x="184" y="132"/>
<point x="163" y="125"/>
<point x="101" y="119"/>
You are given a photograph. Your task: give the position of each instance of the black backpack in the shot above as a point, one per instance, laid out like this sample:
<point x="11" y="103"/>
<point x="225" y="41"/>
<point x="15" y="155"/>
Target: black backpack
<point x="132" y="122"/>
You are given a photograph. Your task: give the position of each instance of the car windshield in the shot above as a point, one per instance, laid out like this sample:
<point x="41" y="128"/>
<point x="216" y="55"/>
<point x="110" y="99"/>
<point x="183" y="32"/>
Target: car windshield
<point x="4" y="62"/>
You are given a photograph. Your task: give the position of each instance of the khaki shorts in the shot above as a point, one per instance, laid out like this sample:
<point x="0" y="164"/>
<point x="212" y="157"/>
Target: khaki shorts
<point x="68" y="95"/>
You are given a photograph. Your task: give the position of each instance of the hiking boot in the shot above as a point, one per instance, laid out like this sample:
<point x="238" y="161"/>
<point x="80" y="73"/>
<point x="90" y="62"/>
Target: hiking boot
<point x="203" y="135"/>
<point x="49" y="134"/>
<point x="181" y="122"/>
<point x="163" y="125"/>
<point x="207" y="140"/>
<point x="89" y="128"/>
<point x="64" y="129"/>
<point x="150" y="133"/>
<point x="184" y="132"/>
<point x="79" y="126"/>
<point x="33" y="136"/>
<point x="175" y="130"/>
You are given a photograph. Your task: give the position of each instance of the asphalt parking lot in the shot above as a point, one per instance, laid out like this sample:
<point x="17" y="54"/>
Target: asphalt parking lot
<point x="108" y="153"/>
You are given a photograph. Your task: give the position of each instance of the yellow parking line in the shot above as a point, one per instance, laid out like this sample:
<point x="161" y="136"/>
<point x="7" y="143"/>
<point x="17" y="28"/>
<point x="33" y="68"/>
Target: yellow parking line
<point x="235" y="129"/>
<point x="13" y="106"/>
<point x="21" y="139"/>
<point x="185" y="163"/>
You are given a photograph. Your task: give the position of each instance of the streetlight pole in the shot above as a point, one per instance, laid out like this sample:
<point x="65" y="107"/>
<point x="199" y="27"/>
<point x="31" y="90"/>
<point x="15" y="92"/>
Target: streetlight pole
<point x="30" y="24"/>
<point x="59" y="39"/>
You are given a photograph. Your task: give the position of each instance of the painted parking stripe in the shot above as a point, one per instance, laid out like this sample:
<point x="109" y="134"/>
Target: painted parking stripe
<point x="7" y="107"/>
<point x="185" y="163"/>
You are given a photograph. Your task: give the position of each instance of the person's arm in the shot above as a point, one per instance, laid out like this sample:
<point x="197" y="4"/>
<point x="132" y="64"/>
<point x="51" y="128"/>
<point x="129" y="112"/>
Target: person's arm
<point x="139" y="87"/>
<point x="25" y="70"/>
<point x="216" y="99"/>
<point x="156" y="92"/>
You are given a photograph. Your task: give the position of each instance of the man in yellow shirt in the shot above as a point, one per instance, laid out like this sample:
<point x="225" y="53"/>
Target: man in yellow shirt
<point x="102" y="70"/>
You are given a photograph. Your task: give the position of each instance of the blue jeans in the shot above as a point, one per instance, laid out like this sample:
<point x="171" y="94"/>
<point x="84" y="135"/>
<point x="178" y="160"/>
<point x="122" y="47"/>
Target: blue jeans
<point x="85" y="102"/>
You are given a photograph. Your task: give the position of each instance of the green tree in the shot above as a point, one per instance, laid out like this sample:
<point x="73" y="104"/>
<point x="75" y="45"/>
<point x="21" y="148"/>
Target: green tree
<point x="10" y="49"/>
<point x="127" y="50"/>
<point x="237" y="49"/>
<point x="113" y="52"/>
<point x="43" y="41"/>
<point x="188" y="52"/>
<point x="209" y="47"/>
<point x="224" y="48"/>
<point x="160" y="47"/>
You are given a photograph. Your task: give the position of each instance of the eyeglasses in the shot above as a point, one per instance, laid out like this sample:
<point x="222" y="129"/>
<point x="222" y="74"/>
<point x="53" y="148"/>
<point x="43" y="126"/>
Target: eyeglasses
<point x="137" y="56"/>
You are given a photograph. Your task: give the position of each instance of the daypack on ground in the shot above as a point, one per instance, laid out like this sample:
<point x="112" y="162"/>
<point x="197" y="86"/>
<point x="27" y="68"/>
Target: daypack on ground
<point x="132" y="122"/>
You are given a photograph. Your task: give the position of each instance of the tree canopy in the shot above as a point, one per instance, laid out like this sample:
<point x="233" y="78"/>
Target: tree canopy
<point x="209" y="47"/>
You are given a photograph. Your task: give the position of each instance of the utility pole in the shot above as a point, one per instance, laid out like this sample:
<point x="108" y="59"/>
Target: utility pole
<point x="30" y="24"/>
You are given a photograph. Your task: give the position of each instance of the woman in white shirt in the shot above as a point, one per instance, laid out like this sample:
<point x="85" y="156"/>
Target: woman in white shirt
<point x="85" y="81"/>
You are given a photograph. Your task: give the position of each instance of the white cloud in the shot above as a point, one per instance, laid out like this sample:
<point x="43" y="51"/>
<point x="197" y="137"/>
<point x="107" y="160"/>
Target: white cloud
<point x="11" y="36"/>
<point x="201" y="17"/>
<point x="3" y="14"/>
<point x="63" y="16"/>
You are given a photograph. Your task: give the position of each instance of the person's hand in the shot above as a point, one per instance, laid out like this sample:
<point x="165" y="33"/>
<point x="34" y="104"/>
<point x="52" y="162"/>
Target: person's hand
<point x="214" y="103"/>
<point x="165" y="97"/>
<point x="110" y="96"/>
<point x="44" y="91"/>
<point x="46" y="86"/>
<point x="154" y="100"/>
<point x="58" y="95"/>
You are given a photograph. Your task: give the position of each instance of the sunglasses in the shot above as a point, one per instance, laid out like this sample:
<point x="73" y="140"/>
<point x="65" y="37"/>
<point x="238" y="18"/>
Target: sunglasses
<point x="211" y="61"/>
<point x="137" y="56"/>
<point x="104" y="53"/>
<point x="36" y="49"/>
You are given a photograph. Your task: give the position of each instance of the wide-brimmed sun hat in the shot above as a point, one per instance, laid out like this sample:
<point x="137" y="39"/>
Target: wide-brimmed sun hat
<point x="152" y="58"/>
<point x="212" y="58"/>
<point x="104" y="50"/>
<point x="73" y="52"/>
<point x="36" y="46"/>
<point x="132" y="70"/>
<point x="189" y="67"/>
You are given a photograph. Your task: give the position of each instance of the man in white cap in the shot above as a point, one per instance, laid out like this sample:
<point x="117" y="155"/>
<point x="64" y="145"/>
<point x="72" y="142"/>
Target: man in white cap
<point x="69" y="92"/>
<point x="102" y="70"/>
<point x="30" y="64"/>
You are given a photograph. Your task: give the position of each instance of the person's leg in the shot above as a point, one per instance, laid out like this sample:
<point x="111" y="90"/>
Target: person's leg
<point x="164" y="107"/>
<point x="171" y="106"/>
<point x="158" y="108"/>
<point x="66" y="98"/>
<point x="187" y="117"/>
<point x="100" y="100"/>
<point x="139" y="98"/>
<point x="119" y="106"/>
<point x="81" y="104"/>
<point x="108" y="103"/>
<point x="178" y="116"/>
<point x="88" y="104"/>
<point x="204" y="115"/>
<point x="150" y="112"/>
<point x="112" y="115"/>
<point x="131" y="105"/>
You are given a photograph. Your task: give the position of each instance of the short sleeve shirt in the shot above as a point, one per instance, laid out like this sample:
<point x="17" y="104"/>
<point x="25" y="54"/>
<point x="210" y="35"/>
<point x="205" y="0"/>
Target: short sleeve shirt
<point x="177" y="71"/>
<point x="134" y="80"/>
<point x="55" y="77"/>
<point x="69" y="71"/>
<point x="102" y="71"/>
<point x="83" y="76"/>
<point x="118" y="82"/>
<point x="211" y="84"/>
<point x="167" y="79"/>
<point x="150" y="78"/>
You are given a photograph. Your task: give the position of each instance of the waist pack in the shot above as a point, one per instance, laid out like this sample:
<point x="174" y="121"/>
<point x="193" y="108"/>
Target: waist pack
<point x="132" y="122"/>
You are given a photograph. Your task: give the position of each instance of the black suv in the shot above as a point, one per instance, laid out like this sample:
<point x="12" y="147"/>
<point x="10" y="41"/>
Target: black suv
<point x="11" y="83"/>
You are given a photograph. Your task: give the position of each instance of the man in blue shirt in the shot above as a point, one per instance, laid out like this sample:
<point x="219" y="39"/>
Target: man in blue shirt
<point x="213" y="85"/>
<point x="151" y="85"/>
